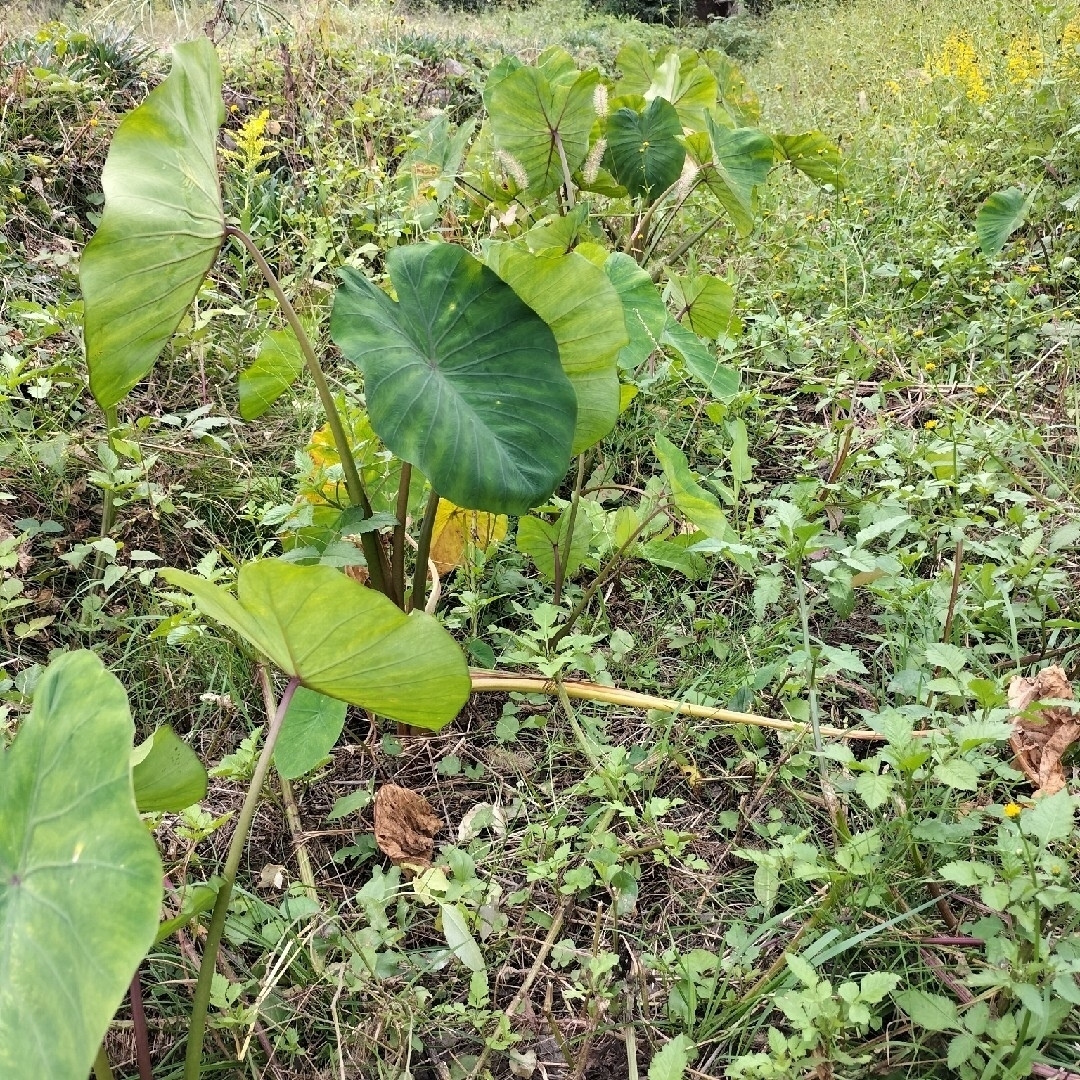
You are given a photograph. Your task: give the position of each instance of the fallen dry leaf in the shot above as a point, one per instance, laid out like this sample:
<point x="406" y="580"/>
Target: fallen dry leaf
<point x="1040" y="744"/>
<point x="405" y="826"/>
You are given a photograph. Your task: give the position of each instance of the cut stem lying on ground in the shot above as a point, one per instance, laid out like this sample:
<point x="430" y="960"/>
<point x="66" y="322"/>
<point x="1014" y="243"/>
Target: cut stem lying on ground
<point x="511" y="682"/>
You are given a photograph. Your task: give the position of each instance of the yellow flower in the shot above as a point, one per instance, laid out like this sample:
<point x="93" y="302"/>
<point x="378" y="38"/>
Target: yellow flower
<point x="930" y="425"/>
<point x="1024" y="60"/>
<point x="931" y="366"/>
<point x="981" y="389"/>
<point x="1013" y="810"/>
<point x="918" y="332"/>
<point x="1069" y="58"/>
<point x="958" y="60"/>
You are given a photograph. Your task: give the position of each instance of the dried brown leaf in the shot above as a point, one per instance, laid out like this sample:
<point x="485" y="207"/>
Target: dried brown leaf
<point x="405" y="826"/>
<point x="1040" y="741"/>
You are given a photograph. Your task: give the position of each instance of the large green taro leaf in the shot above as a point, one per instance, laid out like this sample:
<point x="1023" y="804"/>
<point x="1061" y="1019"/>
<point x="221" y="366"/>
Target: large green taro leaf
<point x="643" y="309"/>
<point x="340" y="639"/>
<point x="644" y="153"/>
<point x="741" y="159"/>
<point x="737" y="98"/>
<point x="530" y="117"/>
<point x="706" y="303"/>
<point x="814" y="155"/>
<point x="677" y="75"/>
<point x="576" y="299"/>
<point x="462" y="379"/>
<point x="162" y="225"/>
<point x="80" y="878"/>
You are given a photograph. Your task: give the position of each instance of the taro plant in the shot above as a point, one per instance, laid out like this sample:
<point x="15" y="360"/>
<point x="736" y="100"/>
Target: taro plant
<point x="80" y="878"/>
<point x="483" y="377"/>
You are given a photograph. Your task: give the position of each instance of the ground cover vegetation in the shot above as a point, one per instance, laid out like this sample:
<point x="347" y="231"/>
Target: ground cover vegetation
<point x="742" y="630"/>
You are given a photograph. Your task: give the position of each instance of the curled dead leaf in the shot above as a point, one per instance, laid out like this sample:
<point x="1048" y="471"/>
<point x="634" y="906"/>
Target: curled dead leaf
<point x="1042" y="736"/>
<point x="405" y="826"/>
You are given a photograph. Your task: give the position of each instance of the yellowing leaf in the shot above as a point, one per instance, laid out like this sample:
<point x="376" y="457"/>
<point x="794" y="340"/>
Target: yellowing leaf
<point x="453" y="526"/>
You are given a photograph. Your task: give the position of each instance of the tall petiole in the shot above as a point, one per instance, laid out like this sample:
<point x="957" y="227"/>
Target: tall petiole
<point x="197" y="1030"/>
<point x="423" y="550"/>
<point x="562" y="546"/>
<point x="397" y="547"/>
<point x="378" y="569"/>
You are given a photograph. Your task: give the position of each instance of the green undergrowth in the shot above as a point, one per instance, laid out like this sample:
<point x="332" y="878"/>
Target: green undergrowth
<point x="901" y="472"/>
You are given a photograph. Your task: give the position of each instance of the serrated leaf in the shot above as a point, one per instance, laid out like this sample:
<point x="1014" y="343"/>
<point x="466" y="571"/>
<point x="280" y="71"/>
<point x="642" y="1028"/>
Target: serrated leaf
<point x="930" y="1011"/>
<point x="767" y="591"/>
<point x="877" y="985"/>
<point x="874" y="788"/>
<point x="802" y="969"/>
<point x="961" y="1048"/>
<point x="1051" y="818"/>
<point x="950" y="657"/>
<point x="958" y="774"/>
<point x="670" y="1062"/>
<point x="967" y="873"/>
<point x="766" y="886"/>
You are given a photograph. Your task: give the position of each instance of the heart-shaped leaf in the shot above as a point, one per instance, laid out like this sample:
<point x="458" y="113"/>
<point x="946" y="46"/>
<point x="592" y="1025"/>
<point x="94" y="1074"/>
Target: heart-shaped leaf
<point x="80" y="878"/>
<point x="736" y="95"/>
<point x="701" y="507"/>
<point x="166" y="773"/>
<point x="162" y="225"/>
<point x="643" y="309"/>
<point x="705" y="303"/>
<point x="340" y="639"/>
<point x="814" y="155"/>
<point x="1000" y="216"/>
<point x="677" y="75"/>
<point x="644" y="153"/>
<point x="312" y="724"/>
<point x="576" y="299"/>
<point x="462" y="379"/>
<point x="540" y="539"/>
<point x="536" y="123"/>
<point x="740" y="160"/>
<point x="275" y="369"/>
